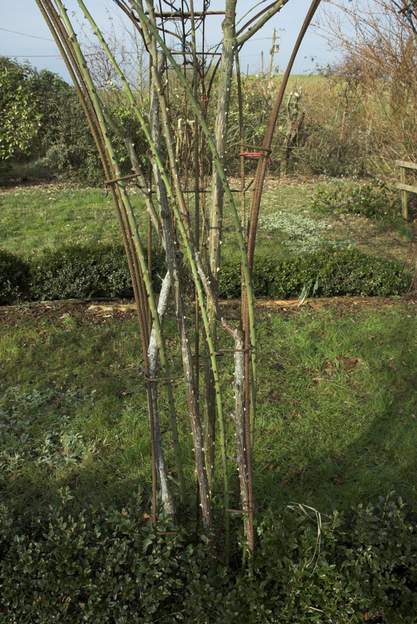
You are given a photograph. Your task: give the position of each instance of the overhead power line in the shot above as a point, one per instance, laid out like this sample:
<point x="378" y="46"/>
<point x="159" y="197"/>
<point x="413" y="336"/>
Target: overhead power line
<point x="31" y="56"/>
<point x="16" y="32"/>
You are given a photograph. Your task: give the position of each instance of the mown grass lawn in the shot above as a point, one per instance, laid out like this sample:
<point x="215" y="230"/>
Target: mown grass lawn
<point x="336" y="425"/>
<point x="49" y="216"/>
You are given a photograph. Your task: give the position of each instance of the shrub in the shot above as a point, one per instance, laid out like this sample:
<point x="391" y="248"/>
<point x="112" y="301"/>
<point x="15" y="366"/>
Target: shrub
<point x="20" y="118"/>
<point x="14" y="278"/>
<point x="65" y="146"/>
<point x="101" y="271"/>
<point x="328" y="272"/>
<point x="105" y="566"/>
<point x="84" y="272"/>
<point x="372" y="200"/>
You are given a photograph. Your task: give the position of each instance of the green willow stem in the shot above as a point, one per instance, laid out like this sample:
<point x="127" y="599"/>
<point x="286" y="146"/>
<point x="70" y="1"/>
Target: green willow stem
<point x="124" y="197"/>
<point x="165" y="178"/>
<point x="179" y="219"/>
<point x="128" y="207"/>
<point x="220" y="170"/>
<point x="61" y="38"/>
<point x="209" y="336"/>
<point x="242" y="247"/>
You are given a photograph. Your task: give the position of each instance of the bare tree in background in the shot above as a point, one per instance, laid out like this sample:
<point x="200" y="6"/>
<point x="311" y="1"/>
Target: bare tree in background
<point x="379" y="49"/>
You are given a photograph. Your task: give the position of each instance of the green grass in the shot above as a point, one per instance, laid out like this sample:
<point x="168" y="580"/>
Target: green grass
<point x="337" y="419"/>
<point x="290" y="223"/>
<point x="35" y="218"/>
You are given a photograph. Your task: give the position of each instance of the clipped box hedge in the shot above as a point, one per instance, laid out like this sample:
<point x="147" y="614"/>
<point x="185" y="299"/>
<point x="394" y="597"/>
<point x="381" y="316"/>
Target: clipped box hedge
<point x="326" y="273"/>
<point x="81" y="272"/>
<point x="101" y="271"/>
<point x="106" y="567"/>
<point x="14" y="278"/>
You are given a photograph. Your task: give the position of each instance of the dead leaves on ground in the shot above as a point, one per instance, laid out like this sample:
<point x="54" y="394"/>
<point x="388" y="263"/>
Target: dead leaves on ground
<point x="340" y="363"/>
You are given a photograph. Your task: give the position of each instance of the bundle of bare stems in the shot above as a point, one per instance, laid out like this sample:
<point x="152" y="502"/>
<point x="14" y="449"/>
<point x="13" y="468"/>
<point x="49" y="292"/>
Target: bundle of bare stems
<point x="182" y="178"/>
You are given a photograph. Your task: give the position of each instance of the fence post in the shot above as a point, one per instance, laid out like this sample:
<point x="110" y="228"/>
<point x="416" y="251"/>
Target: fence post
<point x="404" y="195"/>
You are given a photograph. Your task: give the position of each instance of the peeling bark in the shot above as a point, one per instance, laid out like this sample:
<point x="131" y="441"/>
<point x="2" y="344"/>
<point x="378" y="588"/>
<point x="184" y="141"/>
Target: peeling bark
<point x="166" y="497"/>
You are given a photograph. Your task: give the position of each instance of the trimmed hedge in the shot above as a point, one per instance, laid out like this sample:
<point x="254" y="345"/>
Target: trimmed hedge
<point x="325" y="273"/>
<point x="101" y="271"/>
<point x="14" y="278"/>
<point x="105" y="566"/>
<point x="81" y="273"/>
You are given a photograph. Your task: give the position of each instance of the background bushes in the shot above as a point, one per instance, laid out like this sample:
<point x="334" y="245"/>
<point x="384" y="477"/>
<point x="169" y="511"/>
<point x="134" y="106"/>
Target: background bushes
<point x="106" y="566"/>
<point x="101" y="271"/>
<point x="370" y="123"/>
<point x="372" y="200"/>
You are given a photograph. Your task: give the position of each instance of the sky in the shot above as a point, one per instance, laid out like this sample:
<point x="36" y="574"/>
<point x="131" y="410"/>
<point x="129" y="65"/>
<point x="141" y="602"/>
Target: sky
<point x="31" y="40"/>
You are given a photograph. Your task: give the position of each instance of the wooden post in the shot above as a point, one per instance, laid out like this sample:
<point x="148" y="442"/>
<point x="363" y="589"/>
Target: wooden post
<point x="404" y="187"/>
<point x="274" y="49"/>
<point x="404" y="195"/>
